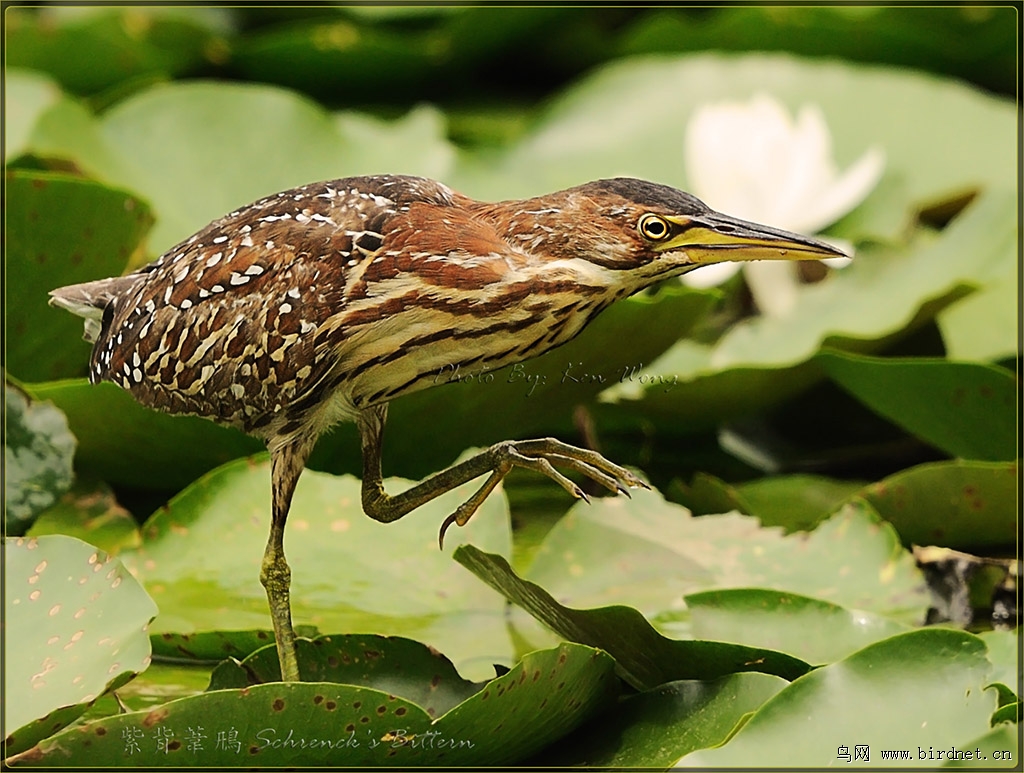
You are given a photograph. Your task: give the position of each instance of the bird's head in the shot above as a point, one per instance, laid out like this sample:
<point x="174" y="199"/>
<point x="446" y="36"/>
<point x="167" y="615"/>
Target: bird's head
<point x="648" y="231"/>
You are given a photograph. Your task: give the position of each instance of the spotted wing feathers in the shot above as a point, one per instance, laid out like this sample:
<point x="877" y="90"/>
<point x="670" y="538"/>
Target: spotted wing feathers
<point x="224" y="324"/>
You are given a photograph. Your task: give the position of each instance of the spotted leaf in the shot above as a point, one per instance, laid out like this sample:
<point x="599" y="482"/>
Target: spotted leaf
<point x="75" y="627"/>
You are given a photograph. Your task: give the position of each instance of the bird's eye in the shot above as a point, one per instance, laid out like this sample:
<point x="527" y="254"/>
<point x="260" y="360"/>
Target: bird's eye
<point x="653" y="228"/>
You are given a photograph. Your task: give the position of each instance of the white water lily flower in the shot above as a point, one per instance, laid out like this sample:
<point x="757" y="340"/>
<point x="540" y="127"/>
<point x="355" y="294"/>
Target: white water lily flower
<point x="751" y="160"/>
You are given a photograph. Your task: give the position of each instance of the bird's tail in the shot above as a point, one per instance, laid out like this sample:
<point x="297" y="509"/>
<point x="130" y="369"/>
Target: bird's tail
<point x="90" y="299"/>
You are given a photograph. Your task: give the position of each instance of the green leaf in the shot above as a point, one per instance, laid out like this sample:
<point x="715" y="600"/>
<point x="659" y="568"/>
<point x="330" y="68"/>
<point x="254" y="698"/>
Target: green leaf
<point x="60" y="230"/>
<point x="812" y="630"/>
<point x="983" y="326"/>
<point x="641" y="132"/>
<point x="27" y="96"/>
<point x="1008" y="713"/>
<point x="125" y="443"/>
<point x="706" y="494"/>
<point x="419" y="139"/>
<point x="158" y="684"/>
<point x="89" y="49"/>
<point x="75" y="627"/>
<point x="999" y="747"/>
<point x="391" y="664"/>
<point x="90" y="512"/>
<point x="917" y="689"/>
<point x="172" y="136"/>
<point x="686" y="388"/>
<point x="69" y="135"/>
<point x="885" y="293"/>
<point x="959" y="504"/>
<point x="545" y="696"/>
<point x="349" y="573"/>
<point x="643" y="657"/>
<point x="964" y="408"/>
<point x="968" y="43"/>
<point x="38" y="455"/>
<point x="649" y="553"/>
<point x="795" y="501"/>
<point x="1003" y="648"/>
<point x="321" y="56"/>
<point x="211" y="647"/>
<point x="657" y="727"/>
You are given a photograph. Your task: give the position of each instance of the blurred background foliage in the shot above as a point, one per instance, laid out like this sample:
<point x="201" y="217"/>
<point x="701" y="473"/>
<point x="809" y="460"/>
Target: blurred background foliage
<point x="880" y="411"/>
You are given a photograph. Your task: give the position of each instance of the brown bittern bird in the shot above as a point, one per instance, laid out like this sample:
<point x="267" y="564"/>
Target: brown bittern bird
<point x="324" y="303"/>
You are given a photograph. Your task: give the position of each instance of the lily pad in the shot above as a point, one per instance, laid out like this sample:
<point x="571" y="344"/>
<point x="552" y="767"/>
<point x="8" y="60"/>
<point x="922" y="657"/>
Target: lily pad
<point x="391" y="664"/>
<point x="983" y="326"/>
<point x="349" y="573"/>
<point x="324" y="55"/>
<point x="812" y="630"/>
<point x="27" y="95"/>
<point x="963" y="42"/>
<point x="655" y="728"/>
<point x="419" y="139"/>
<point x="75" y="623"/>
<point x="89" y="49"/>
<point x="919" y="689"/>
<point x="211" y="647"/>
<point x="123" y="442"/>
<point x="38" y="455"/>
<point x="649" y="553"/>
<point x="794" y="502"/>
<point x="641" y="131"/>
<point x="967" y="409"/>
<point x="95" y="233"/>
<point x="885" y="293"/>
<point x="302" y="724"/>
<point x="90" y="512"/>
<point x="958" y="504"/>
<point x="644" y="658"/>
<point x="158" y="684"/>
<point x="999" y="747"/>
<point x="1003" y="647"/>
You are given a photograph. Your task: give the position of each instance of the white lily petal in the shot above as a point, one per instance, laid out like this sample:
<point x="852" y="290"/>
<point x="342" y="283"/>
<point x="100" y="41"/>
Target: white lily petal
<point x="775" y="286"/>
<point x="809" y="170"/>
<point x="729" y="154"/>
<point x="710" y="276"/>
<point x="845" y="193"/>
<point x="753" y="160"/>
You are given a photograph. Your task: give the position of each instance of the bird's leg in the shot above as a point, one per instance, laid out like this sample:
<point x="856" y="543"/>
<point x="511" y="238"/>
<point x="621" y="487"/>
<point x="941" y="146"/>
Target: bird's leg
<point x="539" y="455"/>
<point x="287" y="462"/>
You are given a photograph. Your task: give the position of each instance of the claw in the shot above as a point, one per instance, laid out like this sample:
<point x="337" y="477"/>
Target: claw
<point x="542" y="456"/>
<point x="444" y="527"/>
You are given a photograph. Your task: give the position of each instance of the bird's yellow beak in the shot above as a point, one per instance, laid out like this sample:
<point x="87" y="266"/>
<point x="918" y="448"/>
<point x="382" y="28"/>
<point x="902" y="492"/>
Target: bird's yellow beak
<point x="717" y="238"/>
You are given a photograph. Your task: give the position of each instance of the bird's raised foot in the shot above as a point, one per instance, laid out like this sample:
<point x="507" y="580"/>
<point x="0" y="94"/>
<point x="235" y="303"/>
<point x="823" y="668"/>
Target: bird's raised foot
<point x="544" y="455"/>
